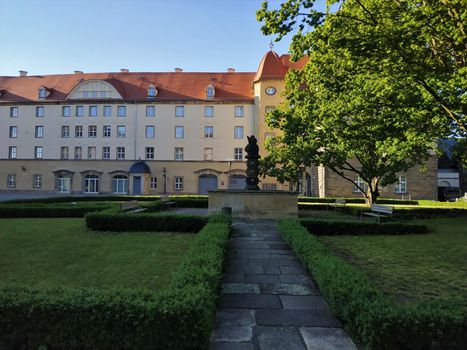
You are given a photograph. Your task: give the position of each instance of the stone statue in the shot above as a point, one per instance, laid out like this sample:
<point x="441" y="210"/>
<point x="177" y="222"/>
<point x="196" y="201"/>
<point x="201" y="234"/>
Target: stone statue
<point x="252" y="163"/>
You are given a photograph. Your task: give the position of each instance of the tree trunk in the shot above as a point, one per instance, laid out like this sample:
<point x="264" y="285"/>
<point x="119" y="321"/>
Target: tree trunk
<point x="372" y="193"/>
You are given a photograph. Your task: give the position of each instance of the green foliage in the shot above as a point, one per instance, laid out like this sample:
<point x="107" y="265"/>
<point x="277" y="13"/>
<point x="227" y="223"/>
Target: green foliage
<point x="66" y="199"/>
<point x="373" y="318"/>
<point x="130" y="222"/>
<point x="326" y="227"/>
<point x="428" y="213"/>
<point x="188" y="202"/>
<point x="357" y="200"/>
<point x="383" y="80"/>
<point x="69" y="210"/>
<point x="179" y="317"/>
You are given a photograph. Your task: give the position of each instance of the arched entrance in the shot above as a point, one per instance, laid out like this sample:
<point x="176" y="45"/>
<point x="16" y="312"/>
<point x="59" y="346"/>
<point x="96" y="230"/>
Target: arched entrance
<point x="207" y="183"/>
<point x="237" y="182"/>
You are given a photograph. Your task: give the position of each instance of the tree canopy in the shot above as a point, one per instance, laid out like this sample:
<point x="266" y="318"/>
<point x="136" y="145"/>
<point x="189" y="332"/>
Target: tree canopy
<point x="377" y="90"/>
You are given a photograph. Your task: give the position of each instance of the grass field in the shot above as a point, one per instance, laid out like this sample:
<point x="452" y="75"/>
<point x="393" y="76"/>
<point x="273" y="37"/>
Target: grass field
<point x="64" y="253"/>
<point x="412" y="267"/>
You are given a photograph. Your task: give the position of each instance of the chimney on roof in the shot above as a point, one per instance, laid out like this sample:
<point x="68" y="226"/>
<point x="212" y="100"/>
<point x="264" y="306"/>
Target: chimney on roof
<point x="230" y="70"/>
<point x="23" y="73"/>
<point x="124" y="70"/>
<point x="78" y="72"/>
<point x="178" y="69"/>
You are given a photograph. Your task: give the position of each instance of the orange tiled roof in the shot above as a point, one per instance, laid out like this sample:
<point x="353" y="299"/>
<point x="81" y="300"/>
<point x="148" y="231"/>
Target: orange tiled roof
<point x="176" y="86"/>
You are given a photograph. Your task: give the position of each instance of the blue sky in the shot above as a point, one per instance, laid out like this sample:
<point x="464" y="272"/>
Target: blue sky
<point x="60" y="36"/>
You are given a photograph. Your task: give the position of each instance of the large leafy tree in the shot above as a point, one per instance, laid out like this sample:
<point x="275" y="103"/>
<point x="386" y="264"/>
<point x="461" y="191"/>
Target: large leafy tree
<point x="354" y="107"/>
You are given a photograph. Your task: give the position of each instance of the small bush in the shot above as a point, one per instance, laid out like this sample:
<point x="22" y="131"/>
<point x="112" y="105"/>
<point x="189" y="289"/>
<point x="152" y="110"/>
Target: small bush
<point x="371" y="317"/>
<point x="335" y="227"/>
<point x="130" y="222"/>
<point x="50" y="211"/>
<point x="178" y="317"/>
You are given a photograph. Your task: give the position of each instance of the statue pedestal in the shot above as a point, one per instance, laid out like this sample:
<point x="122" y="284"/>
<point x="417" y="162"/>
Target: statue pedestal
<point x="254" y="204"/>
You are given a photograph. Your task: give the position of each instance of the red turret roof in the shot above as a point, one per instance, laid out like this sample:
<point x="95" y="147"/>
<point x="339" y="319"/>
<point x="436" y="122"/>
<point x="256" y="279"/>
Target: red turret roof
<point x="273" y="67"/>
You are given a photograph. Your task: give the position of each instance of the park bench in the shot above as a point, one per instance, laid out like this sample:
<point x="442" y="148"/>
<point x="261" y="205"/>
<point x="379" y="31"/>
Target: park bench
<point x="167" y="204"/>
<point x="131" y="206"/>
<point x="379" y="211"/>
<point x="339" y="203"/>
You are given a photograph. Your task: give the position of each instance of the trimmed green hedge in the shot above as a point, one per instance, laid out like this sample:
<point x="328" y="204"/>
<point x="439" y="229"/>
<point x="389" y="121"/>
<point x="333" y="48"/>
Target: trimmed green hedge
<point x="190" y="202"/>
<point x="116" y="198"/>
<point x="371" y="317"/>
<point x="177" y="317"/>
<point x="50" y="211"/>
<point x="337" y="227"/>
<point x="129" y="222"/>
<point x="429" y="213"/>
<point x="358" y="200"/>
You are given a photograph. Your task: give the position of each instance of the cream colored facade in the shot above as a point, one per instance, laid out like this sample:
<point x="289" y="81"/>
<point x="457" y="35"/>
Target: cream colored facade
<point x="152" y="133"/>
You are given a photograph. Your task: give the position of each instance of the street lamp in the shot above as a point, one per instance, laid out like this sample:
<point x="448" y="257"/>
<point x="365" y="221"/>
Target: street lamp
<point x="230" y="169"/>
<point x="164" y="178"/>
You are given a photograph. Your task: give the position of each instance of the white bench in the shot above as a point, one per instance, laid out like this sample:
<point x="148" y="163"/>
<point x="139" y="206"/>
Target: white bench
<point x="131" y="206"/>
<point x="339" y="203"/>
<point x="379" y="211"/>
<point x="167" y="203"/>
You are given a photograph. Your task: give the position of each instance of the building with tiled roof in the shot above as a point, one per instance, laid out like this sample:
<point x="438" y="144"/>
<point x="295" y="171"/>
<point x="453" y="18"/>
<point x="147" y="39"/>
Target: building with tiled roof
<point x="186" y="131"/>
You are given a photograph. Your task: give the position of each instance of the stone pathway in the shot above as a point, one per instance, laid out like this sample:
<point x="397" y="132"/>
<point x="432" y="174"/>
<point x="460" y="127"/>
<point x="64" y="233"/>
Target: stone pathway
<point x="268" y="300"/>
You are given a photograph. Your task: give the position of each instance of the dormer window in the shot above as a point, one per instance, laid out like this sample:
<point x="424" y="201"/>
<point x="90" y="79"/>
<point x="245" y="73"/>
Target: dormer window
<point x="152" y="91"/>
<point x="42" y="93"/>
<point x="210" y="91"/>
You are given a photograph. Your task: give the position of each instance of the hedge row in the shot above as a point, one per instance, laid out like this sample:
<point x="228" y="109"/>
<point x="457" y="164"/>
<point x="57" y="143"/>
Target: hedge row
<point x="353" y="200"/>
<point x="177" y="317"/>
<point x="50" y="211"/>
<point x="106" y="221"/>
<point x="332" y="228"/>
<point x="371" y="317"/>
<point x="428" y="213"/>
<point x="116" y="198"/>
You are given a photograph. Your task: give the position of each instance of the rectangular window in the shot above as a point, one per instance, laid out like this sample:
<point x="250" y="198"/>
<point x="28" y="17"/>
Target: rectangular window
<point x="178" y="183"/>
<point x="209" y="132"/>
<point x="38" y="152"/>
<point x="153" y="183"/>
<point x="91" y="152"/>
<point x="121" y="131"/>
<point x="238" y="132"/>
<point x="93" y="111"/>
<point x="150" y="131"/>
<point x="64" y="152"/>
<point x="359" y="182"/>
<point x="238" y="111"/>
<point x="106" y="152"/>
<point x="238" y="153"/>
<point x="150" y="111"/>
<point x="208" y="154"/>
<point x="107" y="131"/>
<point x="179" y="132"/>
<point x="39" y="131"/>
<point x="149" y="152"/>
<point x="12" y="152"/>
<point x="401" y="185"/>
<point x="78" y="131"/>
<point x="209" y="111"/>
<point x="13" y="132"/>
<point x="42" y="93"/>
<point x="107" y="111"/>
<point x="120" y="153"/>
<point x="121" y="111"/>
<point x="178" y="153"/>
<point x="65" y="131"/>
<point x="79" y="111"/>
<point x="92" y="131"/>
<point x="11" y="180"/>
<point x="66" y="111"/>
<point x="37" y="181"/>
<point x="269" y="187"/>
<point x="78" y="152"/>
<point x="179" y="111"/>
<point x="39" y="111"/>
<point x="13" y="112"/>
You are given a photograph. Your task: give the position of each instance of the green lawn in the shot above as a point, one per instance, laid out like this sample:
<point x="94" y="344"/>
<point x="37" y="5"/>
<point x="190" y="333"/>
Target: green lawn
<point x="412" y="267"/>
<point x="63" y="252"/>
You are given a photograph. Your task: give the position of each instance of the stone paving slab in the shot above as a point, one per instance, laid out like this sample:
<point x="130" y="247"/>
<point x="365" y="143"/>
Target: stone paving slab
<point x="268" y="300"/>
<point x="249" y="301"/>
<point x="326" y="339"/>
<point x="279" y="338"/>
<point x="287" y="317"/>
